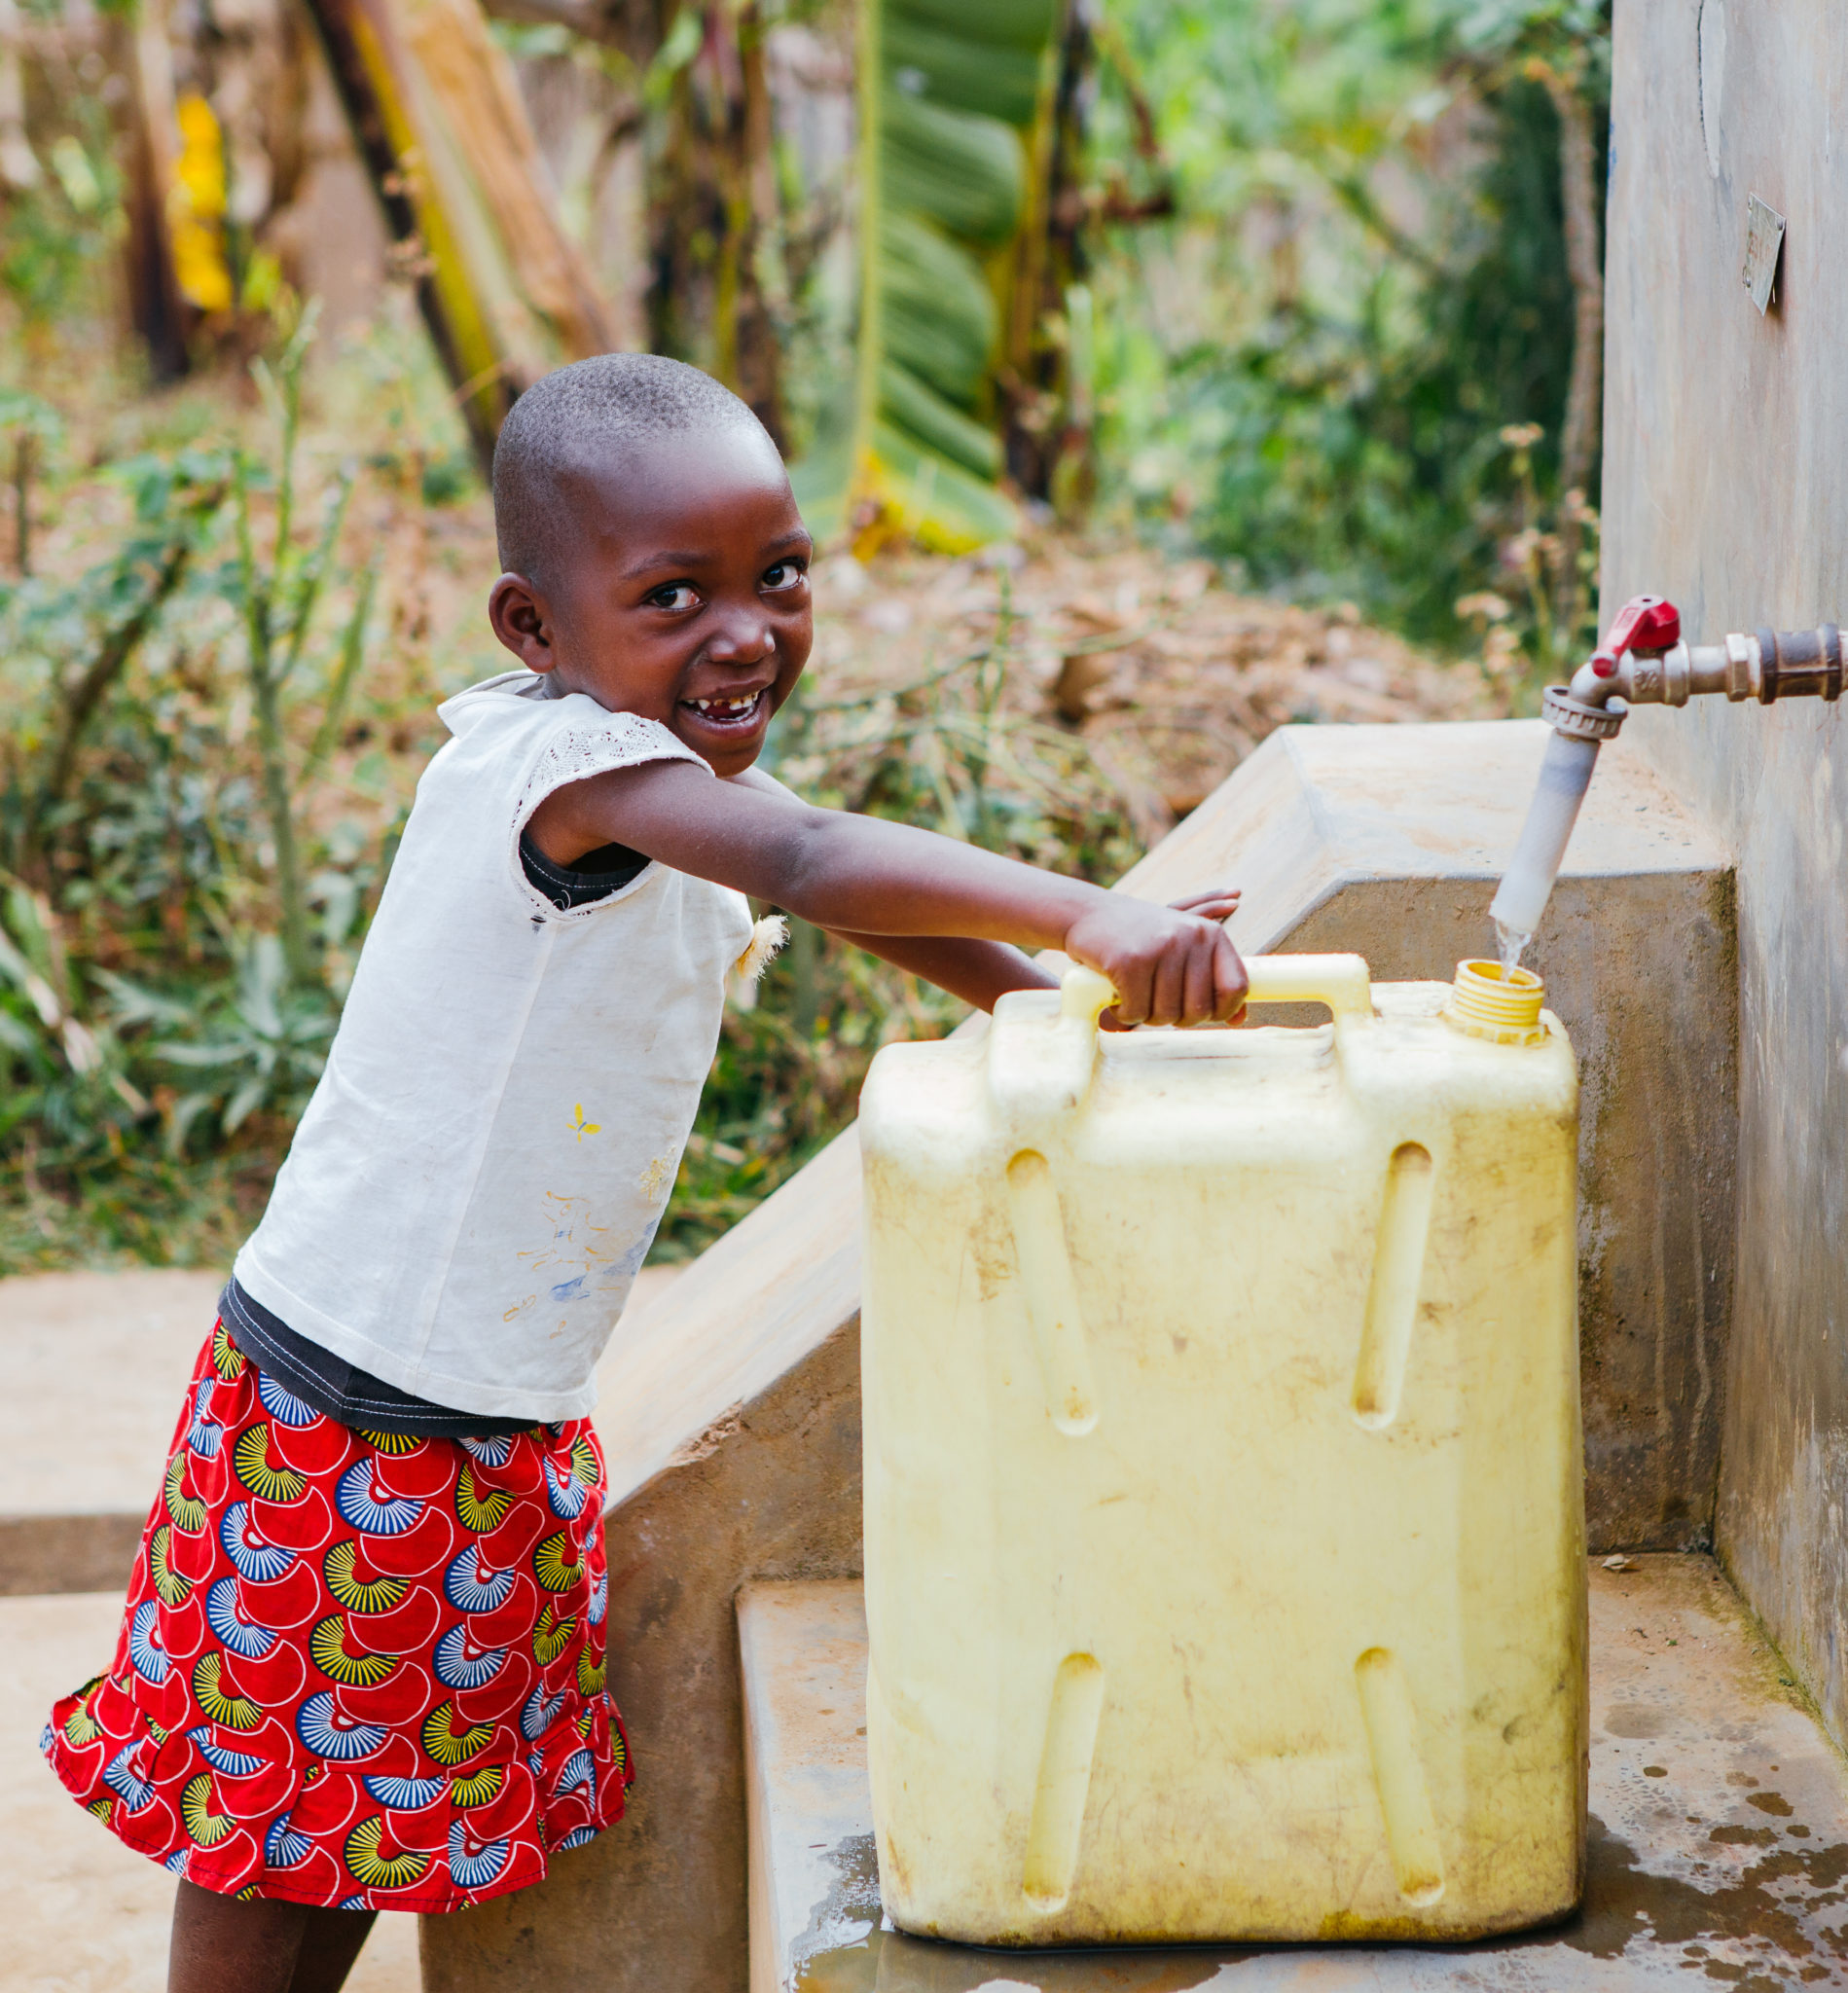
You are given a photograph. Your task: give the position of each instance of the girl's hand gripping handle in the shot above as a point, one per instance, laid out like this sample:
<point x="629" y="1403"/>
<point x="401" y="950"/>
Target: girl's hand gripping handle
<point x="1340" y="981"/>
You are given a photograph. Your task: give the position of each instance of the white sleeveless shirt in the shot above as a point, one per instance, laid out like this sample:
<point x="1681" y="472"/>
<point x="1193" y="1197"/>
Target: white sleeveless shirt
<point x="481" y="1168"/>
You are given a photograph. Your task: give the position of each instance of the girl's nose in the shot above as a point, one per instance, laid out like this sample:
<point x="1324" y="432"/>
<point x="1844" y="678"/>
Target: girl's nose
<point x="744" y="642"/>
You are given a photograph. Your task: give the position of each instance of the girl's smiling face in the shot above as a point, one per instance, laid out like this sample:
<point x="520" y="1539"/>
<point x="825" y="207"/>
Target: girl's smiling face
<point x="679" y="590"/>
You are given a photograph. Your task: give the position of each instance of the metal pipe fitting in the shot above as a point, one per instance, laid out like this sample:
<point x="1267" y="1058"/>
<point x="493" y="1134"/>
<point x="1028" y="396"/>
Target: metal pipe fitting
<point x="1800" y="664"/>
<point x="1765" y="666"/>
<point x="1642" y="662"/>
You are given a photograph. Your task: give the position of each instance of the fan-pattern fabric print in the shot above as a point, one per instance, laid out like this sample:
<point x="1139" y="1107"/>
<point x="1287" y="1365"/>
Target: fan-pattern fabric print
<point x="355" y="1669"/>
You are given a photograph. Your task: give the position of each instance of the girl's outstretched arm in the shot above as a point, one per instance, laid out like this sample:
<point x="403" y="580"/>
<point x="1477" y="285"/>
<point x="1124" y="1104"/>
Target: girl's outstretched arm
<point x="862" y="876"/>
<point x="977" y="972"/>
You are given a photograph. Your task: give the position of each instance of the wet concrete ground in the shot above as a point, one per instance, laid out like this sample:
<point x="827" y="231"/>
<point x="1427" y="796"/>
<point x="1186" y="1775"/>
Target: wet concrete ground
<point x="1719" y="1839"/>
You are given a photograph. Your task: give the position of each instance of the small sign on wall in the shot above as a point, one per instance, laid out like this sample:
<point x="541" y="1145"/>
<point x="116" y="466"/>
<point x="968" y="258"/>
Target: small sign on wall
<point x="1765" y="244"/>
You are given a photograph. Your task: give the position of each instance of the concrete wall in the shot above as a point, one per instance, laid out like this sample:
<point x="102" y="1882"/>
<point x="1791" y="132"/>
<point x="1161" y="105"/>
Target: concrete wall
<point x="1727" y="489"/>
<point x="658" y="1901"/>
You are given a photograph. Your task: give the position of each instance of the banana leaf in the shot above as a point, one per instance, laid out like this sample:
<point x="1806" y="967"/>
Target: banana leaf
<point x="954" y="97"/>
<point x="437" y="116"/>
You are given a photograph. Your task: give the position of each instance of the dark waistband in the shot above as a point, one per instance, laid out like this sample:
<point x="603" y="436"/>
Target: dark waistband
<point x="340" y="1390"/>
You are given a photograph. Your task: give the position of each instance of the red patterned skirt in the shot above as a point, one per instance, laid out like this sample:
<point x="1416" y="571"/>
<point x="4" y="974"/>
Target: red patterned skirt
<point x="355" y="1669"/>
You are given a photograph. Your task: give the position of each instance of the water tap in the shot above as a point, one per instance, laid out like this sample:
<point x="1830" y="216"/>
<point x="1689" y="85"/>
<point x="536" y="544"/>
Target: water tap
<point x="1641" y="660"/>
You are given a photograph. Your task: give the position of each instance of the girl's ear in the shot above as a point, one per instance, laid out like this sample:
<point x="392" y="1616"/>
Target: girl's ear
<point x="521" y="621"/>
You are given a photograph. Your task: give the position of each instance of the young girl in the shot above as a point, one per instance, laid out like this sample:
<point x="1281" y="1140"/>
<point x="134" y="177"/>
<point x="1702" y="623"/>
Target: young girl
<point x="361" y="1665"/>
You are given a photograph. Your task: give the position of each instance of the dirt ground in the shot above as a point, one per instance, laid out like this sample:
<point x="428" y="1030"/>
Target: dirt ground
<point x="1170" y="679"/>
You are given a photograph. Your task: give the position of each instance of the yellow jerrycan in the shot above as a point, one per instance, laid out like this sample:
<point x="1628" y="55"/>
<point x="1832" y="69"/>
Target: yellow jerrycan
<point x="1224" y="1506"/>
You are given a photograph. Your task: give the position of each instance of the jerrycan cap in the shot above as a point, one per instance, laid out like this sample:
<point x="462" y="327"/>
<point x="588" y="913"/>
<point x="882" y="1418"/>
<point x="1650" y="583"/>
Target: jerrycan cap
<point x="1483" y="1003"/>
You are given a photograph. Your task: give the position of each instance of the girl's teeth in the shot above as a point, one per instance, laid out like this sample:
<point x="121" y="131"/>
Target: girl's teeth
<point x="726" y="705"/>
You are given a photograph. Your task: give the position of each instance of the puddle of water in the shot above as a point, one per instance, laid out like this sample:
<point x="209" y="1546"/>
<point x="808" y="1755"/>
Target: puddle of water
<point x="890" y="1961"/>
<point x="1636" y="1720"/>
<point x="1623" y="1903"/>
<point x="1772" y="1911"/>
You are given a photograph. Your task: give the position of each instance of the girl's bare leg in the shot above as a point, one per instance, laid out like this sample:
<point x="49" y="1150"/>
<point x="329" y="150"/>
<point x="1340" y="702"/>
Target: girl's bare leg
<point x="221" y="1945"/>
<point x="329" y="1947"/>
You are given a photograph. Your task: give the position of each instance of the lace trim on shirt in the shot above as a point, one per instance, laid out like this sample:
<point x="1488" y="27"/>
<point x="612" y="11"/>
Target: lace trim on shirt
<point x="620" y="740"/>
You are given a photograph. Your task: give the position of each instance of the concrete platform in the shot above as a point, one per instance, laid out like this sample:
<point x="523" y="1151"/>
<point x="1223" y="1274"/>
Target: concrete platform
<point x="84" y="1913"/>
<point x="1388" y="841"/>
<point x="1719" y="1842"/>
<point x="736" y="1454"/>
<point x="95" y="1366"/>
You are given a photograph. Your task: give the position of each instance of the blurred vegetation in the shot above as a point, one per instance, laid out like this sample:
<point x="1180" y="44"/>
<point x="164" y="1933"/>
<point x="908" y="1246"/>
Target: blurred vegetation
<point x="1317" y="370"/>
<point x="196" y="816"/>
<point x="1315" y="318"/>
<point x="164" y="996"/>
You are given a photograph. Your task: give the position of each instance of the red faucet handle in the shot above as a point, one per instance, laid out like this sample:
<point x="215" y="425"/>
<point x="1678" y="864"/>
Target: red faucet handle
<point x="1644" y="623"/>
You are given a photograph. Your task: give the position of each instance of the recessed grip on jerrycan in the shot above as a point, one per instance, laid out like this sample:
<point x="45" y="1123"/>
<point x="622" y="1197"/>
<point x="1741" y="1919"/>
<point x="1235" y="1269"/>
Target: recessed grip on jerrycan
<point x="1039" y="1074"/>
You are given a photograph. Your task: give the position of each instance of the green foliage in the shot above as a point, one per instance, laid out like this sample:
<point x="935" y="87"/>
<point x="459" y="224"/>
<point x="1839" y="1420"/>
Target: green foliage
<point x="952" y="94"/>
<point x="278" y="595"/>
<point x="53" y="235"/>
<point x="80" y="635"/>
<point x="175" y="928"/>
<point x="1574" y="31"/>
<point x="258" y="1041"/>
<point x="25" y="415"/>
<point x="1307" y="374"/>
<point x="68" y="1088"/>
<point x="448" y="478"/>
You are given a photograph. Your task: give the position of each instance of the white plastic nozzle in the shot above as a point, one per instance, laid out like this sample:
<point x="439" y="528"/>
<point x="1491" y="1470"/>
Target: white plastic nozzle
<point x="1528" y="883"/>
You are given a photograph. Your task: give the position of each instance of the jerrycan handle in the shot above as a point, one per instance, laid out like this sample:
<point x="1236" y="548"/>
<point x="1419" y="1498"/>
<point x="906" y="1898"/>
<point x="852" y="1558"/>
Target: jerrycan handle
<point x="1084" y="996"/>
<point x="1340" y="981"/>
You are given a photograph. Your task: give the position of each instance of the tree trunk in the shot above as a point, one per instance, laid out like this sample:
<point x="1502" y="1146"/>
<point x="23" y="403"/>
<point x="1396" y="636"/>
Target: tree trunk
<point x="1579" y="199"/>
<point x="151" y="141"/>
<point x="437" y="117"/>
<point x="1046" y="400"/>
<point x="716" y="216"/>
<point x="759" y="356"/>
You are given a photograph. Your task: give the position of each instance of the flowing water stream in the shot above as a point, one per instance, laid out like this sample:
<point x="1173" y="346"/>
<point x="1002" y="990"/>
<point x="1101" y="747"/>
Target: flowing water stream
<point x="1510" y="947"/>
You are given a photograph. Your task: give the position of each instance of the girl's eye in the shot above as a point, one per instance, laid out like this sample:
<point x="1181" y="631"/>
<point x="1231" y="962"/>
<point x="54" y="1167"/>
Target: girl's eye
<point x="677" y="595"/>
<point x="785" y="574"/>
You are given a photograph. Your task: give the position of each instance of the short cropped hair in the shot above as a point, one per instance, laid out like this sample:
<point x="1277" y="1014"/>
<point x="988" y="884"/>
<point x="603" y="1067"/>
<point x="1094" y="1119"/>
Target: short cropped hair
<point x="575" y="419"/>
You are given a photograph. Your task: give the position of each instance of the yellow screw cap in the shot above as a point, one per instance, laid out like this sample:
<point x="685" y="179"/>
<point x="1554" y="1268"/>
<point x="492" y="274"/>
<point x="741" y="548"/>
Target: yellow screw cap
<point x="1483" y="1003"/>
